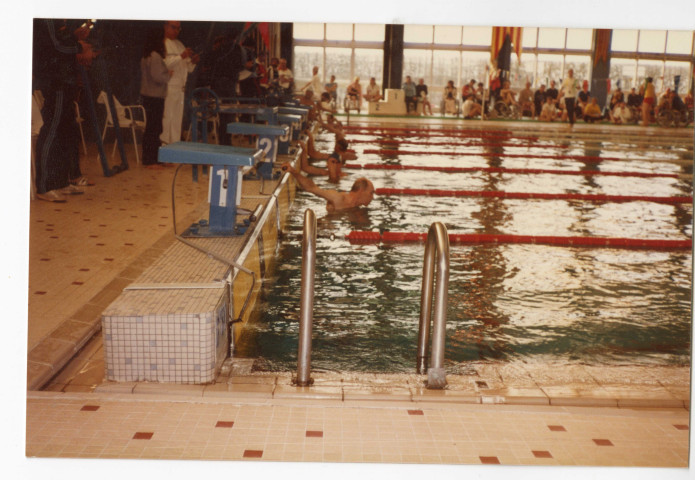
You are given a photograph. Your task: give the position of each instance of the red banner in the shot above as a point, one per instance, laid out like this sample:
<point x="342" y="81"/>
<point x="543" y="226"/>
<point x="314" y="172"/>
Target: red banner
<point x="498" y="36"/>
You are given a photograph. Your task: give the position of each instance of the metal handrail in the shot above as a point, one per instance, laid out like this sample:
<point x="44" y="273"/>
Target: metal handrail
<point x="306" y="308"/>
<point x="437" y="242"/>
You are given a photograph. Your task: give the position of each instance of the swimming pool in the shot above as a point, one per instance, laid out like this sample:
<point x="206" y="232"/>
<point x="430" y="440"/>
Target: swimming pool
<point x="507" y="302"/>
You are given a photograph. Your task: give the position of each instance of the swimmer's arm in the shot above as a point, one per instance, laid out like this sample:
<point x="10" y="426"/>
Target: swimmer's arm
<point x="308" y="184"/>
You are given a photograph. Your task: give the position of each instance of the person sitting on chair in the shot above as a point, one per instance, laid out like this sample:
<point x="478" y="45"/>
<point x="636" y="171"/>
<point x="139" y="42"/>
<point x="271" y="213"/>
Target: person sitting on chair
<point x="450" y="98"/>
<point x="507" y="94"/>
<point x="410" y="96"/>
<point x="592" y="112"/>
<point x="549" y="111"/>
<point x="526" y="102"/>
<point x="373" y="91"/>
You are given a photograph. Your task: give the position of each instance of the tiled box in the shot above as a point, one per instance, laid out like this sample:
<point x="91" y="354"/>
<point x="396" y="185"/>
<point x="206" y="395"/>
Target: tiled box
<point x="174" y="347"/>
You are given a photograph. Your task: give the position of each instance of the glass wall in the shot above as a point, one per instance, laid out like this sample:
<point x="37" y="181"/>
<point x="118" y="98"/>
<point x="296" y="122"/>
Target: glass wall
<point x="448" y="52"/>
<point x="664" y="55"/>
<point x="345" y="50"/>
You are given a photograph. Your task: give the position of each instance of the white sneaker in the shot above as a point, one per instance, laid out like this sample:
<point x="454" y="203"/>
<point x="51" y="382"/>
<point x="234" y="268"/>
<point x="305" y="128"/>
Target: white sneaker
<point x="52" y="196"/>
<point x="71" y="190"/>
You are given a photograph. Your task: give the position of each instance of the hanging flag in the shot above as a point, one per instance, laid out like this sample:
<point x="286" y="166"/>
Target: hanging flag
<point x="603" y="40"/>
<point x="264" y="29"/>
<point x="498" y="36"/>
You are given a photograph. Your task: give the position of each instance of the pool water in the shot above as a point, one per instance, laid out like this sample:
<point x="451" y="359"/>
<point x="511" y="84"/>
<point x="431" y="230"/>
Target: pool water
<point x="530" y="303"/>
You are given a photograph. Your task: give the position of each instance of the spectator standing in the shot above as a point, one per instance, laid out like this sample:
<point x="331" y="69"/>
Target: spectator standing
<point x="569" y="89"/>
<point x="314" y="84"/>
<point x="648" y="101"/>
<point x="181" y="61"/>
<point x="285" y="77"/>
<point x="153" y="89"/>
<point x="59" y="48"/>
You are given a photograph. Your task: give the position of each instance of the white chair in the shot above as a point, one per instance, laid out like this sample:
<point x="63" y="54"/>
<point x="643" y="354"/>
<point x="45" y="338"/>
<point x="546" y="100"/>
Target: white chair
<point x="126" y="119"/>
<point x="79" y="119"/>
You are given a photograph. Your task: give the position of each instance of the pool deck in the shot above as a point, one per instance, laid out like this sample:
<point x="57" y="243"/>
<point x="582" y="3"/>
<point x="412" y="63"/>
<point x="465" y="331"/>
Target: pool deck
<point x="511" y="414"/>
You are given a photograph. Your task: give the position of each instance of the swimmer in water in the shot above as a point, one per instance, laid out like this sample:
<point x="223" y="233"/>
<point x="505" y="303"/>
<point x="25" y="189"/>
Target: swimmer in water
<point x="361" y="194"/>
<point x="334" y="162"/>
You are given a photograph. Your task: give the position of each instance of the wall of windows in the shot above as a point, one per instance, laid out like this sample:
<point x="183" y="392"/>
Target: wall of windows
<point x="664" y="55"/>
<point x="439" y="53"/>
<point x="344" y="50"/>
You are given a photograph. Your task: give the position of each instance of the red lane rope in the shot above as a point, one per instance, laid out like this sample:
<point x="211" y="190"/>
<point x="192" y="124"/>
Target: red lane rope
<point x="383" y="151"/>
<point x="459" y="144"/>
<point x="435" y="132"/>
<point x="527" y="195"/>
<point x="530" y="171"/>
<point x="461" y="131"/>
<point x="477" y="238"/>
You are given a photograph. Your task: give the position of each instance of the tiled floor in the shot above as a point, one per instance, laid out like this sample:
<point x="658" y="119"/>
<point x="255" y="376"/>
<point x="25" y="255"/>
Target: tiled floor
<point x="78" y="254"/>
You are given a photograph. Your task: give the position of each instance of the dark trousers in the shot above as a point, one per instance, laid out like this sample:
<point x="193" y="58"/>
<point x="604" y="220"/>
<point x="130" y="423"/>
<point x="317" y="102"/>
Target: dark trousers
<point x="58" y="143"/>
<point x="411" y="104"/>
<point x="154" y="109"/>
<point x="569" y="108"/>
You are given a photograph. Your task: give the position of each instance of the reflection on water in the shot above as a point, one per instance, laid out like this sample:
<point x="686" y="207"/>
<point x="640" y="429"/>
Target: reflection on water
<point x="506" y="302"/>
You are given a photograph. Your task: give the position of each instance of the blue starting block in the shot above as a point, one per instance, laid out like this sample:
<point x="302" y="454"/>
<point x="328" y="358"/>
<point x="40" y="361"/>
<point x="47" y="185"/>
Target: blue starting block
<point x="295" y="124"/>
<point x="224" y="193"/>
<point x="300" y="110"/>
<point x="267" y="141"/>
<point x="259" y="113"/>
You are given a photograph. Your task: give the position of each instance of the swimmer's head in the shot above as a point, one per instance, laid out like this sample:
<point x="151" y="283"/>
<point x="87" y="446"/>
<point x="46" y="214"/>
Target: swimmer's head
<point x="365" y="189"/>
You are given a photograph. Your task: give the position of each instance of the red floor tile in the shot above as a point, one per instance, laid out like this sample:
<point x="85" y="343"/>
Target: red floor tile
<point x="314" y="433"/>
<point x="142" y="435"/>
<point x="84" y="269"/>
<point x="415" y="412"/>
<point x="556" y="428"/>
<point x="90" y="408"/>
<point x="39" y="293"/>
<point x="542" y="454"/>
<point x="602" y="442"/>
<point x="223" y="424"/>
<point x="253" y="453"/>
<point x="489" y="460"/>
<point x="78" y="283"/>
<point x="682" y="427"/>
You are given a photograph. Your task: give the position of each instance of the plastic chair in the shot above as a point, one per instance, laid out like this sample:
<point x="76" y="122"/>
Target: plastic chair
<point x="126" y="119"/>
<point x="79" y="119"/>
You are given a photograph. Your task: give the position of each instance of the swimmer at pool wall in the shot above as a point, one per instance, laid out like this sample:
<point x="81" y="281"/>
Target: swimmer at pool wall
<point x="361" y="194"/>
<point x="333" y="168"/>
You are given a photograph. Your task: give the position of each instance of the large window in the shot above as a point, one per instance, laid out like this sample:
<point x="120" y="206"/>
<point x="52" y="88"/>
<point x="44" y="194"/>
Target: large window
<point x="664" y="55"/>
<point x="439" y="53"/>
<point x="345" y="50"/>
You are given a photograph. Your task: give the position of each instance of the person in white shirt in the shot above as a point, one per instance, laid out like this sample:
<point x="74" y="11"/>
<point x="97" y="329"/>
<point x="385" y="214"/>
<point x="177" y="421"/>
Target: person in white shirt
<point x="569" y="90"/>
<point x="315" y="84"/>
<point x="285" y="77"/>
<point x="373" y="91"/>
<point x="548" y="112"/>
<point x="181" y="61"/>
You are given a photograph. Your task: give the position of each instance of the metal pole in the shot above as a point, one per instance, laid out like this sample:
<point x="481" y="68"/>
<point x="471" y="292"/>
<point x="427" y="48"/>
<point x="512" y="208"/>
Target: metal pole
<point x="437" y="243"/>
<point x="306" y="309"/>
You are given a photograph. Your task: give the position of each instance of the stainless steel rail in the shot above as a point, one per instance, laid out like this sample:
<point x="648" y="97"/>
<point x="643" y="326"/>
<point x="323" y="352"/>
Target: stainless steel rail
<point x="437" y="242"/>
<point x="306" y="308"/>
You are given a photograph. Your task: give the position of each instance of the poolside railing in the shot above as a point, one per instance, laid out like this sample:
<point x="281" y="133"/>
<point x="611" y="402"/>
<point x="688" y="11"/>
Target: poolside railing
<point x="306" y="307"/>
<point x="437" y="243"/>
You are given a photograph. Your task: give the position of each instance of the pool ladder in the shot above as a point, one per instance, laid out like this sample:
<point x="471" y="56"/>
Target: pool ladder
<point x="306" y="306"/>
<point x="437" y="244"/>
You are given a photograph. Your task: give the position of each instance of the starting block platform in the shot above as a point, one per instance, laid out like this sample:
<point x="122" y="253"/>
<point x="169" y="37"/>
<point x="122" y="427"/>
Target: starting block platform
<point x="267" y="140"/>
<point x="226" y="174"/>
